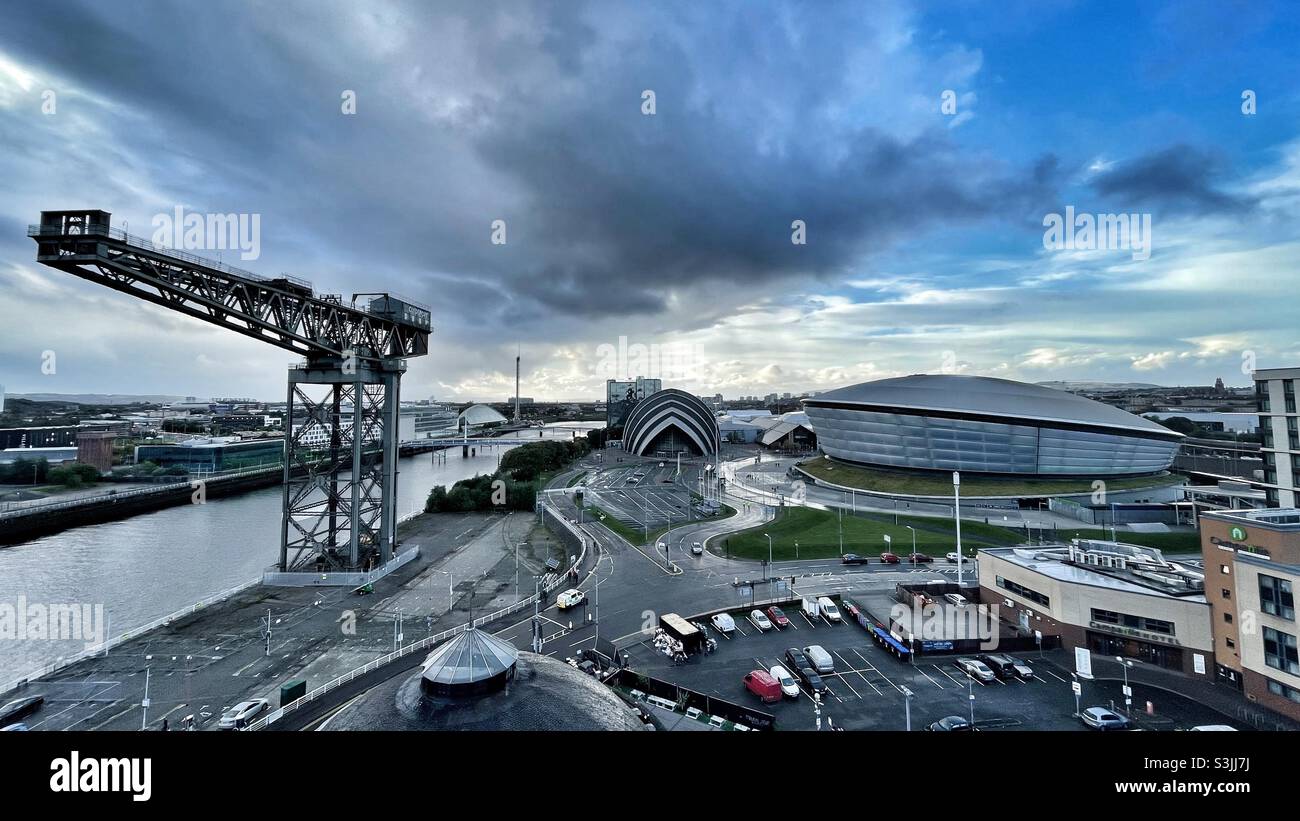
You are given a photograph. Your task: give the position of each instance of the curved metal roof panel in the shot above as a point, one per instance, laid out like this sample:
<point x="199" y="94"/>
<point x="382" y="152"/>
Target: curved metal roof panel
<point x="986" y="396"/>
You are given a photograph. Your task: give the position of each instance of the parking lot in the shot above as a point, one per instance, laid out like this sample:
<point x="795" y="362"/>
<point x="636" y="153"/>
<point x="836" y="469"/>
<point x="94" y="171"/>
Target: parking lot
<point x="865" y="692"/>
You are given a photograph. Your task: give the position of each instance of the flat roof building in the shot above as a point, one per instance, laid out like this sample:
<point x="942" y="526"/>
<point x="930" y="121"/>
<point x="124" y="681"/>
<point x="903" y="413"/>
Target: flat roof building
<point x="1252" y="570"/>
<point x="1112" y="598"/>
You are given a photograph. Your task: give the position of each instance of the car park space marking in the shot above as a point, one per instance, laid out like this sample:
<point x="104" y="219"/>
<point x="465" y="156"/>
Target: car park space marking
<point x="1054" y="675"/>
<point x="742" y="632"/>
<point x="927" y="675"/>
<point x="115" y="716"/>
<point x="805" y="618"/>
<point x="859" y="673"/>
<point x="873" y="668"/>
<point x="842" y="677"/>
<point x="944" y="672"/>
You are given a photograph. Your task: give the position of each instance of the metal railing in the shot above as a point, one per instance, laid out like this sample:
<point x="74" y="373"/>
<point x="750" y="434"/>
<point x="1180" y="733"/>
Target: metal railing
<point x="103" y="230"/>
<point x="423" y="644"/>
<point x="111" y="642"/>
<point x="160" y="487"/>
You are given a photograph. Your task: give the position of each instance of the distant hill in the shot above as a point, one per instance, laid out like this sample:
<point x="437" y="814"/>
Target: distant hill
<point x="97" y="398"/>
<point x="1099" y="386"/>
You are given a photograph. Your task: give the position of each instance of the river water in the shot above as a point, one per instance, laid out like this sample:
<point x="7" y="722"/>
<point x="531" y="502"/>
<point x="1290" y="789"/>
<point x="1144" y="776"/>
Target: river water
<point x="145" y="567"/>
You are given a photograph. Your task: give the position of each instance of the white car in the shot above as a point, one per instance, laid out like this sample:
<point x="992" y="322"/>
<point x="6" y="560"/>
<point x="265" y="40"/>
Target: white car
<point x="828" y="610"/>
<point x="976" y="669"/>
<point x="760" y="620"/>
<point x="723" y="623"/>
<point x="570" y="598"/>
<point x="1213" y="728"/>
<point x="953" y="557"/>
<point x="242" y="714"/>
<point x="697" y="549"/>
<point x="789" y="687"/>
<point x="955" y="599"/>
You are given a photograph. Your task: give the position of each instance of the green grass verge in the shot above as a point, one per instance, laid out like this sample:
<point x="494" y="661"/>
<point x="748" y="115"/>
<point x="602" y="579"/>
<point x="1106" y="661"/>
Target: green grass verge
<point x="817" y="532"/>
<point x="637" y="535"/>
<point x="885" y="481"/>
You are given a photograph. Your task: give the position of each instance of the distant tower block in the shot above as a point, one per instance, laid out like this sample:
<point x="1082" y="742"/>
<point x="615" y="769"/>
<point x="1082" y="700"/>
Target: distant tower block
<point x="516" y="388"/>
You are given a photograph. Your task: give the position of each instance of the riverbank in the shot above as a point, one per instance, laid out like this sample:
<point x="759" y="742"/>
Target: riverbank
<point x="42" y="520"/>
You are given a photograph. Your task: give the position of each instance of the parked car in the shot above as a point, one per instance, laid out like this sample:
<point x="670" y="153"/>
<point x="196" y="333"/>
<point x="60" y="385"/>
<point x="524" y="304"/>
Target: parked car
<point x="697" y="549"/>
<point x="19" y="709"/>
<point x="789" y="687"/>
<point x="570" y="598"/>
<point x="778" y="617"/>
<point x="889" y="558"/>
<point x="975" y="669"/>
<point x="761" y="684"/>
<point x="797" y="659"/>
<point x="955" y="599"/>
<point x="1203" y="728"/>
<point x="760" y="621"/>
<point x="1101" y="718"/>
<point x="1023" y="671"/>
<point x="821" y="660"/>
<point x="850" y="609"/>
<point x="22" y="728"/>
<point x="242" y="714"/>
<point x="952" y="557"/>
<point x="950" y="724"/>
<point x="723" y="623"/>
<point x="919" y="558"/>
<point x="828" y="609"/>
<point x="1002" y="666"/>
<point x="811" y="680"/>
<point x="853" y="558"/>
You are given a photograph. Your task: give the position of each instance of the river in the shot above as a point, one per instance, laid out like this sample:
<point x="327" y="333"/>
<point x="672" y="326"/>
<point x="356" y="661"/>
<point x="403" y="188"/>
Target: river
<point x="153" y="564"/>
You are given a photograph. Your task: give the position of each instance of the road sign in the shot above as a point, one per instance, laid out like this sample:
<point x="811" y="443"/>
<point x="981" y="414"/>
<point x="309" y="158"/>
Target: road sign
<point x="1083" y="662"/>
<point x="1077" y="688"/>
<point x="1128" y="691"/>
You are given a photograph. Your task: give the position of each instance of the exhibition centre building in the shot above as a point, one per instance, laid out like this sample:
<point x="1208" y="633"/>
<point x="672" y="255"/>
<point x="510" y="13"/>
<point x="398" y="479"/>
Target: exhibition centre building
<point x="983" y="425"/>
<point x="671" y="422"/>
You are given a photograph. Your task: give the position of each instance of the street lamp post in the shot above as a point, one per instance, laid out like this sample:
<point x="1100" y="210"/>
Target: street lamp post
<point x="909" y="527"/>
<point x="769" y="554"/>
<point x="956" y="515"/>
<point x="907" y="706"/>
<point x="1124" y="664"/>
<point x="970" y="688"/>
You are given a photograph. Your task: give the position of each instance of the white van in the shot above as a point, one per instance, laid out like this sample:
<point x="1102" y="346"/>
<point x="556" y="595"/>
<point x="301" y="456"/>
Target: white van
<point x="828" y="609"/>
<point x="821" y="660"/>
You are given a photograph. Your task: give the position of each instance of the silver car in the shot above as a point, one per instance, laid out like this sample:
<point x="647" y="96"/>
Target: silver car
<point x="975" y="669"/>
<point x="242" y="714"/>
<point x="1100" y="718"/>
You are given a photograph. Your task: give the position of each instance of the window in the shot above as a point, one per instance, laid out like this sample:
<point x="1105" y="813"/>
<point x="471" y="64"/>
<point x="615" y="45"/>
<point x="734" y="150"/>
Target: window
<point x="1225" y="570"/>
<point x="1227" y="594"/>
<point x="1023" y="592"/>
<point x="1227" y="617"/>
<point x="1231" y="643"/>
<point x="1277" y="688"/>
<point x="1280" y="651"/>
<point x="1275" y="597"/>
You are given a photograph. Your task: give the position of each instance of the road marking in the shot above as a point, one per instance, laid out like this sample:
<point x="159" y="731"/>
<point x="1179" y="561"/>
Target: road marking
<point x="932" y="681"/>
<point x="943" y="672"/>
<point x="1054" y="675"/>
<point x="115" y="717"/>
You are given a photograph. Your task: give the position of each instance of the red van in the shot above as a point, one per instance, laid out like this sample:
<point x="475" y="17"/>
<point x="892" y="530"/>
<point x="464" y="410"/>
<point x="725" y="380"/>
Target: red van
<point x="761" y="684"/>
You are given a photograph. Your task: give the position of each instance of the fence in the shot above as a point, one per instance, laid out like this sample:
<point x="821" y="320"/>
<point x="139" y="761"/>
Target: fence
<point x="307" y="578"/>
<point x="423" y="644"/>
<point x="159" y="489"/>
<point x="109" y="643"/>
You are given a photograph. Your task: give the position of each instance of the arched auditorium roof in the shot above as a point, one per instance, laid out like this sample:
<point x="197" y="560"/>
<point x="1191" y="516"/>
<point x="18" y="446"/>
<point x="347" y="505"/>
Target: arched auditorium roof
<point x="479" y="415"/>
<point x="984" y="396"/>
<point x="670" y="408"/>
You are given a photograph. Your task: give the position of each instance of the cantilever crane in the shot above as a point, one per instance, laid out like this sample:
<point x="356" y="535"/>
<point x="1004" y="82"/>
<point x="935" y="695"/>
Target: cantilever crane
<point x="340" y="473"/>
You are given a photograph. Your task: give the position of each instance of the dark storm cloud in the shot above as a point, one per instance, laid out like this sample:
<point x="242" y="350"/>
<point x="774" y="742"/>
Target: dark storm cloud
<point x="1181" y="178"/>
<point x="608" y="211"/>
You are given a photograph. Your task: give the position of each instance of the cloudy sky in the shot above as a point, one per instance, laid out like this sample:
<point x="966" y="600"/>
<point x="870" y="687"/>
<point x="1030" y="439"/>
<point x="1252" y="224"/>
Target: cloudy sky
<point x="922" y="146"/>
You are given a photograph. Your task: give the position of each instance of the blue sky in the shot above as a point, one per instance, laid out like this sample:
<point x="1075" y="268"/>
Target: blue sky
<point x="924" y="228"/>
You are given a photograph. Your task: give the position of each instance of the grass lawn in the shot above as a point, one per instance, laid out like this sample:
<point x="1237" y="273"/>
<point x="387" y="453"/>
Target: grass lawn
<point x="817" y="532"/>
<point x="941" y="485"/>
<point x="637" y="535"/>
